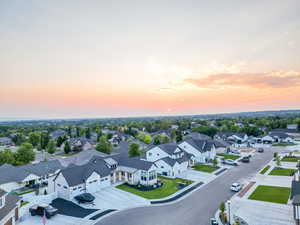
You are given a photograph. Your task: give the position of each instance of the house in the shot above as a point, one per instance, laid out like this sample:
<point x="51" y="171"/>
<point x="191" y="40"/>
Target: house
<point x="117" y="137"/>
<point x="235" y="138"/>
<point x="221" y="146"/>
<point x="292" y="126"/>
<point x="28" y="177"/>
<point x="162" y="132"/>
<point x="5" y="141"/>
<point x="291" y="132"/>
<point x="280" y="137"/>
<point x="101" y="172"/>
<point x="197" y="135"/>
<point x="81" y="143"/>
<point x="169" y="159"/>
<point x="202" y="151"/>
<point x="57" y="133"/>
<point x="9" y="208"/>
<point x="174" y="126"/>
<point x="265" y="139"/>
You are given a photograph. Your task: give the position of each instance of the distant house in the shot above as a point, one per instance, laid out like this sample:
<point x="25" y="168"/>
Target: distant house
<point x="292" y="126"/>
<point x="117" y="137"/>
<point x="9" y="208"/>
<point x="102" y="172"/>
<point x="31" y="176"/>
<point x="57" y="133"/>
<point x="291" y="132"/>
<point x="235" y="138"/>
<point x="275" y="137"/>
<point x="221" y="146"/>
<point x="169" y="159"/>
<point x="5" y="141"/>
<point x="174" y="126"/>
<point x="202" y="151"/>
<point x="81" y="143"/>
<point x="197" y="135"/>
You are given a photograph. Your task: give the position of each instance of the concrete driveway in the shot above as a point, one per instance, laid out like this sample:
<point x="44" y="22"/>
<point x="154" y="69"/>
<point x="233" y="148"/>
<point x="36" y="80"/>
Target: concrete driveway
<point x="113" y="198"/>
<point x="56" y="220"/>
<point x="197" y="176"/>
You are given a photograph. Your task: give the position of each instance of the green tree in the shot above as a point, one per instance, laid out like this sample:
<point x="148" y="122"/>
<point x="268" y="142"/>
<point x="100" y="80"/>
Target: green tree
<point x="67" y="147"/>
<point x="156" y="140"/>
<point x="35" y="138"/>
<point x="222" y="207"/>
<point x="104" y="145"/>
<point x="7" y="156"/>
<point x="178" y="136"/>
<point x="60" y="140"/>
<point x="215" y="162"/>
<point x="134" y="150"/>
<point x="173" y="134"/>
<point x="18" y="139"/>
<point x="278" y="163"/>
<point x="25" y="154"/>
<point x="165" y="139"/>
<point x="146" y="138"/>
<point x="88" y="133"/>
<point x="210" y="131"/>
<point x="44" y="140"/>
<point x="51" y="147"/>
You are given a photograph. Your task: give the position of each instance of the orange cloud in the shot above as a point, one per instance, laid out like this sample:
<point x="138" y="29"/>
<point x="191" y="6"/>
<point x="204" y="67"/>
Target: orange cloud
<point x="253" y="80"/>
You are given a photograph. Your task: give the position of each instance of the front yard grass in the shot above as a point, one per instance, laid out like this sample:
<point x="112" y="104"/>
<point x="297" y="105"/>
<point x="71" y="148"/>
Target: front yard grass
<point x="290" y="159"/>
<point x="169" y="187"/>
<point x="271" y="194"/>
<point x="278" y="171"/>
<point x="263" y="171"/>
<point x="205" y="168"/>
<point x="228" y="156"/>
<point x="283" y="144"/>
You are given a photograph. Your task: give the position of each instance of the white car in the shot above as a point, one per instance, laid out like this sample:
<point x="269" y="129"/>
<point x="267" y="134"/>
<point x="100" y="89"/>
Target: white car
<point x="236" y="187"/>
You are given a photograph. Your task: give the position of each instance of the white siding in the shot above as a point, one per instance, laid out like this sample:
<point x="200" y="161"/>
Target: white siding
<point x="155" y="154"/>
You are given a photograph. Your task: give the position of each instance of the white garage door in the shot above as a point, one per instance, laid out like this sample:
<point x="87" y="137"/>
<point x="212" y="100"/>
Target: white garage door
<point x="63" y="193"/>
<point x="104" y="182"/>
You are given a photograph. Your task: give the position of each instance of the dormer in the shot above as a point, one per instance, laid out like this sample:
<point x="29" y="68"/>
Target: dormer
<point x="111" y="163"/>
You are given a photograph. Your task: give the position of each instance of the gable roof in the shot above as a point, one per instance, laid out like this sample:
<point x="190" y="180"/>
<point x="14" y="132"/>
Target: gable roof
<point x="169" y="148"/>
<point x="279" y="134"/>
<point x="10" y="203"/>
<point x="200" y="145"/>
<point x="9" y="173"/>
<point x="169" y="161"/>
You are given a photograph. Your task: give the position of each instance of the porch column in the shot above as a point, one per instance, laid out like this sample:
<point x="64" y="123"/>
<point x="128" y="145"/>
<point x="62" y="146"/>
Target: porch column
<point x="114" y="177"/>
<point x="126" y="176"/>
<point x="120" y="176"/>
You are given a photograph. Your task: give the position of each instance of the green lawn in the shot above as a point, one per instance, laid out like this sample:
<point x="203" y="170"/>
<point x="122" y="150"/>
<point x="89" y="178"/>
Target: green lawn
<point x="169" y="187"/>
<point x="283" y="144"/>
<point x="282" y="171"/>
<point x="290" y="159"/>
<point x="228" y="156"/>
<point x="271" y="194"/>
<point x="264" y="170"/>
<point x="205" y="168"/>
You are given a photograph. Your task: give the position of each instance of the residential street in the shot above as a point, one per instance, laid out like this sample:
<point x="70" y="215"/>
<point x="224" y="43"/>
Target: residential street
<point x="197" y="208"/>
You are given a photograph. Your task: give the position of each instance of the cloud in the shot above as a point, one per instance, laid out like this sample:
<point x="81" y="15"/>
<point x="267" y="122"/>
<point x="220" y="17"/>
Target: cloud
<point x="253" y="80"/>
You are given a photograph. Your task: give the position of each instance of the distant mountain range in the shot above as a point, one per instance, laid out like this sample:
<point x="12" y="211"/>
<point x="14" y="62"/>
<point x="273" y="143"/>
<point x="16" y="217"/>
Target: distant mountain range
<point x="200" y="116"/>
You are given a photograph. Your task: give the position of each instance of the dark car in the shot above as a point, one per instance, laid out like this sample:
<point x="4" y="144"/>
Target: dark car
<point x="213" y="221"/>
<point x="261" y="150"/>
<point x="42" y="209"/>
<point x="246" y="159"/>
<point x="85" y="197"/>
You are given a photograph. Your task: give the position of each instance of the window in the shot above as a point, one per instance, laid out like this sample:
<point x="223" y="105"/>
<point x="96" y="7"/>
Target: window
<point x="74" y="189"/>
<point x="122" y="173"/>
<point x="150" y="153"/>
<point x="143" y="175"/>
<point x="157" y="154"/>
<point x="162" y="167"/>
<point x="65" y="187"/>
<point x="58" y="185"/>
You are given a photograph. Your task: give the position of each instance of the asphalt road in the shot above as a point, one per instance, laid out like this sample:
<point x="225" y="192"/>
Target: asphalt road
<point x="198" y="207"/>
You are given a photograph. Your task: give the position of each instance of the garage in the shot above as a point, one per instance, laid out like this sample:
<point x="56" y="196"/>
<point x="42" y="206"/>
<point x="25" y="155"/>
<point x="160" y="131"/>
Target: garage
<point x="104" y="182"/>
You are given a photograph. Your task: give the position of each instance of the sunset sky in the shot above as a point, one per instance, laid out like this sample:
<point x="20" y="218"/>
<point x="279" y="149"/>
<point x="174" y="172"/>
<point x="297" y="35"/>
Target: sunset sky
<point x="72" y="59"/>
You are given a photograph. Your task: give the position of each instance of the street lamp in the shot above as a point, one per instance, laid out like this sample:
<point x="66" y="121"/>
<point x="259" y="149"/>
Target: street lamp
<point x="228" y="202"/>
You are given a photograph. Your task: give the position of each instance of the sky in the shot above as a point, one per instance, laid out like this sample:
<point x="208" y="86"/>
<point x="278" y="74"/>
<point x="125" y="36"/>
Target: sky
<point x="90" y="59"/>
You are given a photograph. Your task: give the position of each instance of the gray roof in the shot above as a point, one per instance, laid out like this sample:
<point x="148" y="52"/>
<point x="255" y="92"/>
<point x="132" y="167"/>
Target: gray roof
<point x="168" y="148"/>
<point x="284" y="130"/>
<point x="5" y="140"/>
<point x="200" y="145"/>
<point x="199" y="136"/>
<point x="10" y="203"/>
<point x="2" y="193"/>
<point x="279" y="134"/>
<point x="134" y="162"/>
<point x="169" y="161"/>
<point x="76" y="175"/>
<point x="57" y="133"/>
<point x="9" y="173"/>
<point x="221" y="144"/>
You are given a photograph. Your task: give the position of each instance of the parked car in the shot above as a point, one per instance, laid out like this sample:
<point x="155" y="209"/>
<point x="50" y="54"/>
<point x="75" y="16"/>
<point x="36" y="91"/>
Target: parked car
<point x="213" y="221"/>
<point x="230" y="162"/>
<point x="246" y="159"/>
<point x="85" y="198"/>
<point x="42" y="209"/>
<point x="236" y="187"/>
<point x="261" y="150"/>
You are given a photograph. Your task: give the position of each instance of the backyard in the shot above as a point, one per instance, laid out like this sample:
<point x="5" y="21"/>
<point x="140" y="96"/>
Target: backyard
<point x="271" y="194"/>
<point x="205" y="168"/>
<point x="229" y="156"/>
<point x="169" y="187"/>
<point x="278" y="171"/>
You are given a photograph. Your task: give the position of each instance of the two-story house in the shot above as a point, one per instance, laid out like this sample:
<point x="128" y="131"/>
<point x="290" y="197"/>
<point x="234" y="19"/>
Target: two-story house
<point x="9" y="208"/>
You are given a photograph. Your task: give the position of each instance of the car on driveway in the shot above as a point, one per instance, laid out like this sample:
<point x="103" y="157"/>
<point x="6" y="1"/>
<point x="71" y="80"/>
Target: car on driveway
<point x="230" y="162"/>
<point x="85" y="198"/>
<point x="236" y="187"/>
<point x="42" y="209"/>
<point x="213" y="221"/>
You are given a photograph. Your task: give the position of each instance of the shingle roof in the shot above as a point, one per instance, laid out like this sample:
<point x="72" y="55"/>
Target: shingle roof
<point x="169" y="161"/>
<point x="2" y="192"/>
<point x="168" y="148"/>
<point x="10" y="203"/>
<point x="135" y="162"/>
<point x="9" y="173"/>
<point x="221" y="144"/>
<point x="200" y="145"/>
<point x="279" y="134"/>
